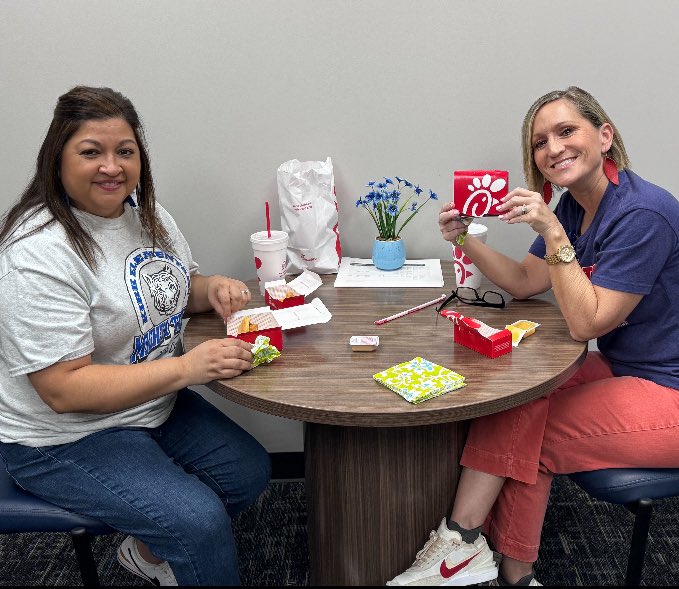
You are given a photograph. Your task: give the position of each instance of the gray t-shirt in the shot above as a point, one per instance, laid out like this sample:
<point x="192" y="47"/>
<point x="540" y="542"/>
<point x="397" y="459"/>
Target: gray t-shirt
<point x="54" y="308"/>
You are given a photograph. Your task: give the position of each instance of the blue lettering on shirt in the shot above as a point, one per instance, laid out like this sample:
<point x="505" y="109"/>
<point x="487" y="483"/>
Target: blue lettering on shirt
<point x="155" y="337"/>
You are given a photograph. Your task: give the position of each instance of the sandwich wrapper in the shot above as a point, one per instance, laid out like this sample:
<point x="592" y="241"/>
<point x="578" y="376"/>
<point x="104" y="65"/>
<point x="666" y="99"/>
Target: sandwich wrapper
<point x="271" y="323"/>
<point x="479" y="336"/>
<point x="420" y="380"/>
<point x="280" y="295"/>
<point x="263" y="351"/>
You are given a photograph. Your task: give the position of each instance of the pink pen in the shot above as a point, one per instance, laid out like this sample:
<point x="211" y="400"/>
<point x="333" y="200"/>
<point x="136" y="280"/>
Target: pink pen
<point x="409" y="311"/>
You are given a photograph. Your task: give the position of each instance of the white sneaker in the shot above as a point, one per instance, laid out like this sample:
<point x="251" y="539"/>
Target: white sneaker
<point x="158" y="574"/>
<point x="446" y="560"/>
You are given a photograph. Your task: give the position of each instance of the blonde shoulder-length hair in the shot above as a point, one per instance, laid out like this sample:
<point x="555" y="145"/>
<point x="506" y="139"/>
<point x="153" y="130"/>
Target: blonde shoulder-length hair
<point x="589" y="108"/>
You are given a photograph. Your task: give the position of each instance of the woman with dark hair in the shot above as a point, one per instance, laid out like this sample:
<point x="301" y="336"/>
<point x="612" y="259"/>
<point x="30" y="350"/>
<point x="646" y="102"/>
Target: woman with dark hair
<point x="95" y="416"/>
<point x="610" y="253"/>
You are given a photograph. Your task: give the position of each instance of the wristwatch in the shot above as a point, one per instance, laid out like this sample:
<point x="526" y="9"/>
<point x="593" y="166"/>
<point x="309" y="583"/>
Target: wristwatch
<point x="565" y="253"/>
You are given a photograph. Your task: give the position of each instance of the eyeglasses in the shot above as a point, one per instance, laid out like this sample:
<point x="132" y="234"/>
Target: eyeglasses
<point x="470" y="296"/>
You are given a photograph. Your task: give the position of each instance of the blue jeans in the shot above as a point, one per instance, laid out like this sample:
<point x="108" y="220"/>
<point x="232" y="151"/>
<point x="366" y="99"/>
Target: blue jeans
<point x="175" y="487"/>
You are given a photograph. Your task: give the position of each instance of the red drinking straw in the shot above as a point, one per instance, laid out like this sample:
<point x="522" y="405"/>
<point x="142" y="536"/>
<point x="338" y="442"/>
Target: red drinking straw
<point x="268" y="220"/>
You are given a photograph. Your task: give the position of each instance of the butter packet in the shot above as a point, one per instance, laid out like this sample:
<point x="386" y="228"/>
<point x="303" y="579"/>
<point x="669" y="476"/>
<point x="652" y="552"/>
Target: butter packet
<point x="262" y="351"/>
<point x="520" y="329"/>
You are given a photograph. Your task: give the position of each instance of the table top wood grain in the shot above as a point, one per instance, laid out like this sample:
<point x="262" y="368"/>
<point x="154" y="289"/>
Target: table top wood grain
<point x="319" y="379"/>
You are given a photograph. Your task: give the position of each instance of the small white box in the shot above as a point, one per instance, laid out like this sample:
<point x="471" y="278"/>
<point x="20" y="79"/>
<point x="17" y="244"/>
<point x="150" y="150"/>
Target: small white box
<point x="364" y="343"/>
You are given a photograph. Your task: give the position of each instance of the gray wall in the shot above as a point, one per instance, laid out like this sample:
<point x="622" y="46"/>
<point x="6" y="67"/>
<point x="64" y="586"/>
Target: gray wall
<point x="229" y="90"/>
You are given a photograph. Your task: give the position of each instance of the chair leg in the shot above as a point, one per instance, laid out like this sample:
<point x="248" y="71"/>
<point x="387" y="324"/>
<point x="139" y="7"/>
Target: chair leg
<point x="637" y="552"/>
<point x="82" y="543"/>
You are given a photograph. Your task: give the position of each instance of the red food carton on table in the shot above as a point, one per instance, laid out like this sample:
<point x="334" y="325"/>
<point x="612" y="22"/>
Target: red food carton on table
<point x="477" y="193"/>
<point x="280" y="295"/>
<point x="479" y="336"/>
<point x="271" y="323"/>
<point x="261" y="321"/>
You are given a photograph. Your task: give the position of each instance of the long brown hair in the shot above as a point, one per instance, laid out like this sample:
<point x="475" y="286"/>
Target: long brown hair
<point x="45" y="190"/>
<point x="590" y="109"/>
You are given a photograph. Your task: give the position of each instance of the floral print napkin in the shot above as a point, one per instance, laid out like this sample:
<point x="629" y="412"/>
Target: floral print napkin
<point x="419" y="380"/>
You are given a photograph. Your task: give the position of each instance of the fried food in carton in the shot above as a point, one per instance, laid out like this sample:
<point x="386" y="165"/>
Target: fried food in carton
<point x="245" y="326"/>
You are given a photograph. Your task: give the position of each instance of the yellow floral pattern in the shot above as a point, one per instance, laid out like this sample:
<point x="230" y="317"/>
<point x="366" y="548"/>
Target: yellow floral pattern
<point x="419" y="380"/>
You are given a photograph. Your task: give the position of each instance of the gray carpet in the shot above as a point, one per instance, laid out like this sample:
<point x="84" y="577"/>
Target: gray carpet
<point x="584" y="543"/>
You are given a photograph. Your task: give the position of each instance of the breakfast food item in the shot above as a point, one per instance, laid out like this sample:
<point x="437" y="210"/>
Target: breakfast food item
<point x="245" y="326"/>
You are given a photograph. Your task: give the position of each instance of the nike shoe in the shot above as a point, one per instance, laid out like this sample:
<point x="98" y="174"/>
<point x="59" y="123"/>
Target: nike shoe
<point x="446" y="560"/>
<point x="158" y="574"/>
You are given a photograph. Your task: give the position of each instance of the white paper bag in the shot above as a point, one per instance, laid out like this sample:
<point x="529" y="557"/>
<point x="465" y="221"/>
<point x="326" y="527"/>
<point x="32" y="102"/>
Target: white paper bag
<point x="309" y="215"/>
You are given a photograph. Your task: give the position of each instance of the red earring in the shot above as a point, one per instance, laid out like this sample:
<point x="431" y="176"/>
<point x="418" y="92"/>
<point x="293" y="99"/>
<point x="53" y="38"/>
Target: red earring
<point x="547" y="192"/>
<point x="611" y="169"/>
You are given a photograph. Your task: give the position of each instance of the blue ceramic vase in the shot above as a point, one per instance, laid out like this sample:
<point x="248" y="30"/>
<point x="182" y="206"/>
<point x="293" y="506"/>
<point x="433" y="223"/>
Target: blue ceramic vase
<point x="389" y="254"/>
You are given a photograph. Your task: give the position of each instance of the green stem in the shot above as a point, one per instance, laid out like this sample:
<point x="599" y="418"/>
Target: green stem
<point x="417" y="210"/>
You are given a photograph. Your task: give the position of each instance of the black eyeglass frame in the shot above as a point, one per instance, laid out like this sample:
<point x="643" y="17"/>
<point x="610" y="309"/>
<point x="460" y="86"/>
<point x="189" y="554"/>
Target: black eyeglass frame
<point x="479" y="301"/>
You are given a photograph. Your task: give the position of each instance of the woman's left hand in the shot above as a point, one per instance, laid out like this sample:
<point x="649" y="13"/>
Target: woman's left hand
<point x="524" y="206"/>
<point x="227" y="295"/>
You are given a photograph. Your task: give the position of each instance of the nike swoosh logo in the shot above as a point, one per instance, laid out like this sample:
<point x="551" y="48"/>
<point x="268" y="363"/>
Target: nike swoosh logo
<point x="446" y="572"/>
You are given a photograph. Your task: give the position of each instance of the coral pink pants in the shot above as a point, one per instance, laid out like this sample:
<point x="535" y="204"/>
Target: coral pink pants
<point x="593" y="421"/>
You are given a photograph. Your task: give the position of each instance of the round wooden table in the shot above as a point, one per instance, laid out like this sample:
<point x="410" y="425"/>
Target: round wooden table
<point x="381" y="472"/>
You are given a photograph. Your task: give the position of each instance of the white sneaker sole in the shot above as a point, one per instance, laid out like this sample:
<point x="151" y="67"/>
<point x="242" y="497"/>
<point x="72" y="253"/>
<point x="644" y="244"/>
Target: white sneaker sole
<point x="461" y="580"/>
<point x="127" y="565"/>
<point x="479" y="576"/>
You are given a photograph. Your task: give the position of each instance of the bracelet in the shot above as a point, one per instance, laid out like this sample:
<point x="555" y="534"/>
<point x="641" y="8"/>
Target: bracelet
<point x="460" y="238"/>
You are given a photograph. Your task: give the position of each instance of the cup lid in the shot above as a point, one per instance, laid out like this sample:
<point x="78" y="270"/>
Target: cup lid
<point x="477" y="229"/>
<point x="262" y="238"/>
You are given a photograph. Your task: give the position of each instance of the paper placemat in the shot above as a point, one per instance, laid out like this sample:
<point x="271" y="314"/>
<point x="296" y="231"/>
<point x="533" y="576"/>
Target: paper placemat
<point x="419" y="380"/>
<point x="414" y="273"/>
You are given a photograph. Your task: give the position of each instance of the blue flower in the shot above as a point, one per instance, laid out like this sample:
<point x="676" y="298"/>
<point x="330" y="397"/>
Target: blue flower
<point x="384" y="196"/>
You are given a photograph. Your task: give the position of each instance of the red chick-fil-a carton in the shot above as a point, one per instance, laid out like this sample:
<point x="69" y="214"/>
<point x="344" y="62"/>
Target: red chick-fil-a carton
<point x="247" y="324"/>
<point x="477" y="193"/>
<point x="279" y="294"/>
<point x="478" y="336"/>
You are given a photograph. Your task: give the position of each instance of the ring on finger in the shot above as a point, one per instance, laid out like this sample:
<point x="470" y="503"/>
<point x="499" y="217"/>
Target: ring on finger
<point x="245" y="292"/>
<point x="524" y="210"/>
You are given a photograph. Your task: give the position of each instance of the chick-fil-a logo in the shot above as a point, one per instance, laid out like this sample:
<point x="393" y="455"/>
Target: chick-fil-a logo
<point x="477" y="193"/>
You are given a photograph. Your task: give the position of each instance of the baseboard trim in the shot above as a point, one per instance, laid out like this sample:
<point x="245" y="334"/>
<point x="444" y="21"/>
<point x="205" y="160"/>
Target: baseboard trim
<point x="287" y="465"/>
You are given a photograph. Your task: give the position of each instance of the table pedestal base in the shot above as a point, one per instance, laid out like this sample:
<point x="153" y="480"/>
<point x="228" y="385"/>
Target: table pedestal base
<point x="373" y="496"/>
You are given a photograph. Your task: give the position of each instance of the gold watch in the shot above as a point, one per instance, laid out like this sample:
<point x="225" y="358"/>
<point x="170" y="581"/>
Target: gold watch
<point x="565" y="254"/>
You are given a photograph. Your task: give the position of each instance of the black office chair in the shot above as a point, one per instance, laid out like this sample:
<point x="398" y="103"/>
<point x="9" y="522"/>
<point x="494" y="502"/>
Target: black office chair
<point x="21" y="512"/>
<point x="636" y="489"/>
